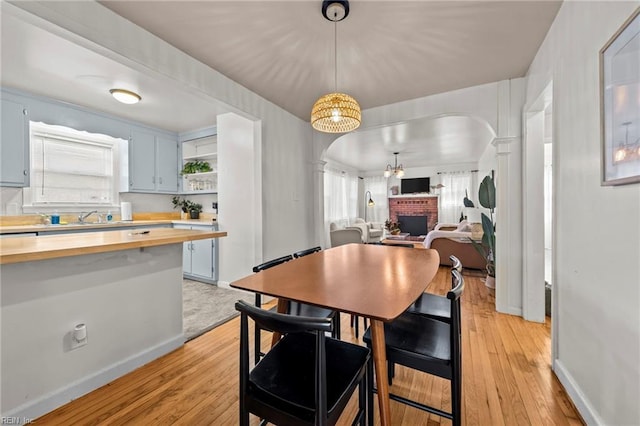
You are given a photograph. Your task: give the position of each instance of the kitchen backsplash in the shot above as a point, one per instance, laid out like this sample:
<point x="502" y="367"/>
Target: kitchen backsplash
<point x="11" y="202"/>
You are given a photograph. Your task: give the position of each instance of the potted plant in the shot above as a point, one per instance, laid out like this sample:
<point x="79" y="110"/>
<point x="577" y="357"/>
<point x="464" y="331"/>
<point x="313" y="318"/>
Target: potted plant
<point x="392" y="227"/>
<point x="182" y="204"/>
<point x="487" y="246"/>
<point x="194" y="210"/>
<point x="195" y="166"/>
<point x="187" y="206"/>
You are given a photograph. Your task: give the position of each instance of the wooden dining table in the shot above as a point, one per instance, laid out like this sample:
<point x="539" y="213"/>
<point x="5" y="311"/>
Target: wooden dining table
<point x="374" y="281"/>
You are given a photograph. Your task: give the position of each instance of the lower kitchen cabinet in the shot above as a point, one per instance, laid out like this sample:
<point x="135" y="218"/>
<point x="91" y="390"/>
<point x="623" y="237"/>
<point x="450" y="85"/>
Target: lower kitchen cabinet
<point x="199" y="258"/>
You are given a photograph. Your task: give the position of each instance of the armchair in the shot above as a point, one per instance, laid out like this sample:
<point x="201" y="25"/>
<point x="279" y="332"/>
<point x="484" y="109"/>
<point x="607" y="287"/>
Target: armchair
<point x="371" y="231"/>
<point x="454" y="239"/>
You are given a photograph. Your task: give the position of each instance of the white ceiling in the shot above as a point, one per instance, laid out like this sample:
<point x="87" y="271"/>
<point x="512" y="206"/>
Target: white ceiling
<point x="423" y="142"/>
<point x="39" y="62"/>
<point x="387" y="52"/>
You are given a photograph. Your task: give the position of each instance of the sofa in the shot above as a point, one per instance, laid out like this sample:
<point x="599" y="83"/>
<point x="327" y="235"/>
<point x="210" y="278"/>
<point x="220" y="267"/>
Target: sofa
<point x="454" y="239"/>
<point x="371" y="231"/>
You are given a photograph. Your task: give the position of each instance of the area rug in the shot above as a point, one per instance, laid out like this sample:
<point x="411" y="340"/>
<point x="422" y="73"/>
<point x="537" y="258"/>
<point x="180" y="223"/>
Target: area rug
<point x="207" y="306"/>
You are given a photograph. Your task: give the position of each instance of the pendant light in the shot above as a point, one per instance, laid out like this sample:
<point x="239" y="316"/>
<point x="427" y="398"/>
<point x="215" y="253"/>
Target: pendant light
<point x="335" y="112"/>
<point x="398" y="171"/>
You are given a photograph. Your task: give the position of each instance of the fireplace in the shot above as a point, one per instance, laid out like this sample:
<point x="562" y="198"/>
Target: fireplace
<point x="424" y="206"/>
<point x="414" y="225"/>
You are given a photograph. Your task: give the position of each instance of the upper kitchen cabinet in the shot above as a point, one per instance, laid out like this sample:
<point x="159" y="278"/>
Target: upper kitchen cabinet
<point x="14" y="146"/>
<point x="153" y="162"/>
<point x="200" y="162"/>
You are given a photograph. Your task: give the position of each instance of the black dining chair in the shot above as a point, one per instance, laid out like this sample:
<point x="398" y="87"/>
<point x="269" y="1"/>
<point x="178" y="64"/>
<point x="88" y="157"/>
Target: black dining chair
<point x="258" y="300"/>
<point x="306" y="252"/>
<point x="430" y="346"/>
<point x="355" y="319"/>
<point x="293" y="308"/>
<point x="433" y="305"/>
<point x="306" y="378"/>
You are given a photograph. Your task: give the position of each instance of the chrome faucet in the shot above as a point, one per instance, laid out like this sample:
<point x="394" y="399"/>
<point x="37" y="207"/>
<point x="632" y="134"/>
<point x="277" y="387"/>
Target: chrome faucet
<point x="84" y="215"/>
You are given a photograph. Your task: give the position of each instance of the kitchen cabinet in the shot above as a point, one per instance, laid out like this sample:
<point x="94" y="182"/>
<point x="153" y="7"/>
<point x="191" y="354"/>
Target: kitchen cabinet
<point x="200" y="257"/>
<point x="200" y="151"/>
<point x="153" y="162"/>
<point x="14" y="145"/>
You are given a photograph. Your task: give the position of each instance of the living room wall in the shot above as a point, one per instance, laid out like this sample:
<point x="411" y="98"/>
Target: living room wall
<point x="598" y="295"/>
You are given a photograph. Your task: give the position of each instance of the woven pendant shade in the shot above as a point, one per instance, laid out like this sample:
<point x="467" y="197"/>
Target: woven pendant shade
<point x="335" y="113"/>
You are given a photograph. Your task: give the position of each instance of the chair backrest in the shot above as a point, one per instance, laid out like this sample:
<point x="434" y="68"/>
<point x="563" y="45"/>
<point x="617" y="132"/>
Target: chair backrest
<point x="456" y="330"/>
<point x="455" y="264"/>
<point x="272" y="263"/>
<point x="396" y="245"/>
<point x="345" y="236"/>
<point x="306" y="252"/>
<point x="283" y="324"/>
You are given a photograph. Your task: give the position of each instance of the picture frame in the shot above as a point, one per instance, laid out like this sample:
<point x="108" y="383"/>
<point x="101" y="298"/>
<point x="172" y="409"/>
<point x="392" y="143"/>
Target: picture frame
<point x="620" y="105"/>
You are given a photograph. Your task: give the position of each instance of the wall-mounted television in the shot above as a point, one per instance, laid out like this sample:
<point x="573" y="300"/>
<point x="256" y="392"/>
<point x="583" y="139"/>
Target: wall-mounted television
<point x="414" y="185"/>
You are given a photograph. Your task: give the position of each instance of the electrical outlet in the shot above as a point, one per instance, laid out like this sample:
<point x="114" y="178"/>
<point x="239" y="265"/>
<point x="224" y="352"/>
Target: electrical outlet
<point x="79" y="336"/>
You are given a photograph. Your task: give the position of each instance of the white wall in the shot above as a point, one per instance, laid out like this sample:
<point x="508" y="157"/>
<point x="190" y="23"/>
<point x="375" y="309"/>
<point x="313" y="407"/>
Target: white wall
<point x="597" y="253"/>
<point x="240" y="189"/>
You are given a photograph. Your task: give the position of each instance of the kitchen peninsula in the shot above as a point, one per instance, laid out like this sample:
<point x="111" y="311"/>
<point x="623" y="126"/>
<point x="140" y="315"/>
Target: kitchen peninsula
<point x="125" y="286"/>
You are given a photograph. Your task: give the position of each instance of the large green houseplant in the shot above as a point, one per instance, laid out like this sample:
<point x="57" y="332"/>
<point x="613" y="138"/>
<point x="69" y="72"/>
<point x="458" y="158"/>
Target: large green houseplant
<point x="487" y="246"/>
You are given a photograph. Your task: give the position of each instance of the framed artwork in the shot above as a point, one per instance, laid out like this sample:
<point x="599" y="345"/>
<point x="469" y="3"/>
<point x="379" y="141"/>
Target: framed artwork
<point x="620" y="104"/>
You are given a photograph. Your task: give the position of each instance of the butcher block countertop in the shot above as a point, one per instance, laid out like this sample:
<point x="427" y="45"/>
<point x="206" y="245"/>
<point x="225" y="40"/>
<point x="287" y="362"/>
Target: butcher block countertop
<point x="93" y="226"/>
<point x="27" y="249"/>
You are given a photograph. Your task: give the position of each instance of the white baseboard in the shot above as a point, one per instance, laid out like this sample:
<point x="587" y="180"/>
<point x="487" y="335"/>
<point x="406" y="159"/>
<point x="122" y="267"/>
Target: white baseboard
<point x="49" y="402"/>
<point x="584" y="407"/>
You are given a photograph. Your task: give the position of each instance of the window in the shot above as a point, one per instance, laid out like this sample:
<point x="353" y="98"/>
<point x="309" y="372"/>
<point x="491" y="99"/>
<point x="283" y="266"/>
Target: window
<point x="340" y="198"/>
<point x="450" y="204"/>
<point x="72" y="169"/>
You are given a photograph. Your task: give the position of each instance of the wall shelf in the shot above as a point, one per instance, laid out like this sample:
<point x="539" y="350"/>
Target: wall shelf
<point x="203" y="156"/>
<point x="199" y="175"/>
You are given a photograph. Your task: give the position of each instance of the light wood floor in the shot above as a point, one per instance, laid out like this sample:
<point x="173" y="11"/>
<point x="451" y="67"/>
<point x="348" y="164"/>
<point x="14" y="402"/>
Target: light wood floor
<point x="507" y="379"/>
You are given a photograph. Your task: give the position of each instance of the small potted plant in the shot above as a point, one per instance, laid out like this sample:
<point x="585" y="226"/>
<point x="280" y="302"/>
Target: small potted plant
<point x="392" y="227"/>
<point x="194" y="210"/>
<point x="182" y="204"/>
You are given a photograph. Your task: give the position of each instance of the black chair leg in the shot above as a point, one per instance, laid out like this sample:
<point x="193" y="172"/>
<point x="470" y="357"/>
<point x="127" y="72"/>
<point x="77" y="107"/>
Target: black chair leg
<point x="456" y="400"/>
<point x="391" y="371"/>
<point x="336" y="326"/>
<point x="363" y="390"/>
<point x="256" y="342"/>
<point x="370" y="382"/>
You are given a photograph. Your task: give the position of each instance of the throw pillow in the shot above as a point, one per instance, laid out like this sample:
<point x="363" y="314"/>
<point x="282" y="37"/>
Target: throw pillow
<point x="463" y="227"/>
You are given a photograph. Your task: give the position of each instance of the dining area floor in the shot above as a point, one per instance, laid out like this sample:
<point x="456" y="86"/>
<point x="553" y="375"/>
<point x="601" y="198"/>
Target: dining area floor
<point x="507" y="377"/>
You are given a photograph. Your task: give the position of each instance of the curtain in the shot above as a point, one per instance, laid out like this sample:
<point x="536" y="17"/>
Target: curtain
<point x="378" y="187"/>
<point x="340" y="198"/>
<point x="450" y="203"/>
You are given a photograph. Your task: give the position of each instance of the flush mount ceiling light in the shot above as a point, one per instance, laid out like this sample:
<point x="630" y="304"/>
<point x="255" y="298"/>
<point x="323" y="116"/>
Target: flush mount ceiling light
<point x="335" y="112"/>
<point x="398" y="171"/>
<point x="125" y="96"/>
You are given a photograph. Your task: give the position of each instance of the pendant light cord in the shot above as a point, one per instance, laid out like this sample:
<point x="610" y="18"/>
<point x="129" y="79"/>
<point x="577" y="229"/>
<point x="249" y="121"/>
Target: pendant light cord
<point x="335" y="50"/>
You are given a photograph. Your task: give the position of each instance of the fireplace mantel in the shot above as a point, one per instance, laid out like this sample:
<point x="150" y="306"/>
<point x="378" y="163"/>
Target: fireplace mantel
<point x="421" y="195"/>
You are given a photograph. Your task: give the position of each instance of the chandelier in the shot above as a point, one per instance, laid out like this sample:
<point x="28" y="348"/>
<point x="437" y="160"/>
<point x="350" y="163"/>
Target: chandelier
<point x="335" y="112"/>
<point x="627" y="151"/>
<point x="398" y="171"/>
